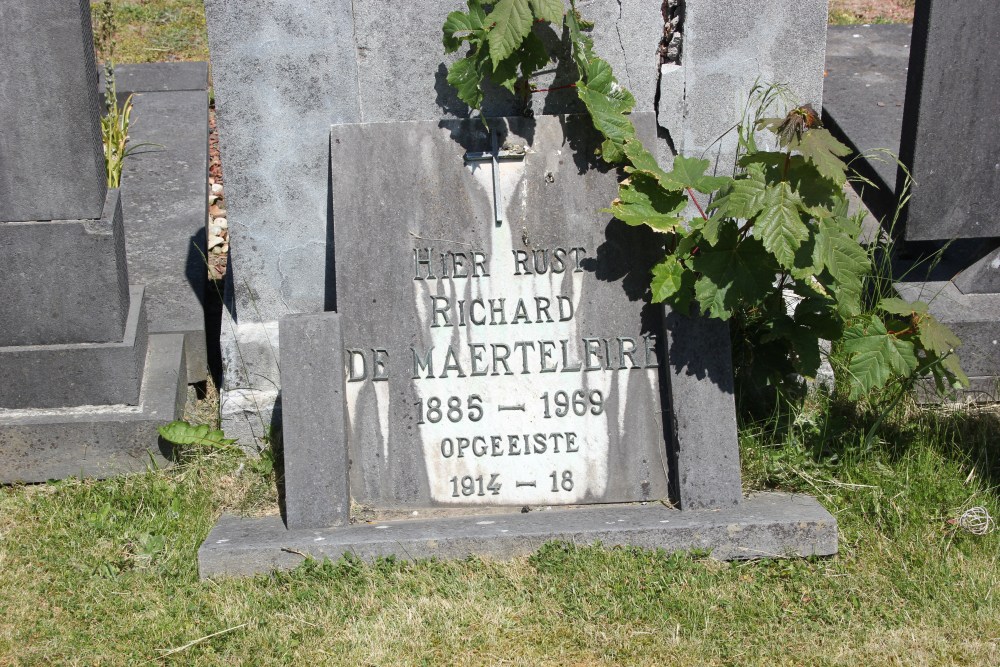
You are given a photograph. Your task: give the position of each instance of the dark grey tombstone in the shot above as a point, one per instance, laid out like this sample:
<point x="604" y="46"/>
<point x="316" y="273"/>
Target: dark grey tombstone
<point x="502" y="359"/>
<point x="946" y="73"/>
<point x="950" y="144"/>
<point x="47" y="175"/>
<point x="82" y="385"/>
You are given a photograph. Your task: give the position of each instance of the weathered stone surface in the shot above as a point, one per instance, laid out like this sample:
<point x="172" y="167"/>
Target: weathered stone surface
<point x="982" y="277"/>
<point x="314" y="433"/>
<point x="159" y="77"/>
<point x="728" y="47"/>
<point x="83" y="373"/>
<point x="973" y="318"/>
<point x="51" y="161"/>
<point x="97" y="441"/>
<point x="949" y="139"/>
<point x="165" y="203"/>
<point x="82" y="298"/>
<point x="706" y="454"/>
<point x="764" y="526"/>
<point x="283" y="72"/>
<point x="402" y="65"/>
<point x="864" y="91"/>
<point x="398" y="310"/>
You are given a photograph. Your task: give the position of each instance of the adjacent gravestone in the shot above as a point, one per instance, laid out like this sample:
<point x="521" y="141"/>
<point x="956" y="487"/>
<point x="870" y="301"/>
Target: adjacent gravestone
<point x="493" y="348"/>
<point x="279" y="84"/>
<point x="82" y="385"/>
<point x="937" y="112"/>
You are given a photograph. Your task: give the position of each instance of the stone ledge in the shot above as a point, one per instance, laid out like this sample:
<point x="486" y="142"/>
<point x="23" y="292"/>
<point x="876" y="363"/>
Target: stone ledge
<point x="88" y="373"/>
<point x="98" y="441"/>
<point x="769" y="525"/>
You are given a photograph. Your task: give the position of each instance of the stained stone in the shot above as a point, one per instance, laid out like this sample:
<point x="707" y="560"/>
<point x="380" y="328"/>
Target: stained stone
<point x="519" y="356"/>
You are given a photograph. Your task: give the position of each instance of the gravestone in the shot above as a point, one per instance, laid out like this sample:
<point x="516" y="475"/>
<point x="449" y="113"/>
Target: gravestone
<point x="285" y="70"/>
<point x="82" y="385"/>
<point x="932" y="98"/>
<point x="493" y="356"/>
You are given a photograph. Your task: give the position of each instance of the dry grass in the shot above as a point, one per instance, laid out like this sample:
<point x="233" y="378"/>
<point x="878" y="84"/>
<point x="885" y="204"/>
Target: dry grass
<point x="844" y="12"/>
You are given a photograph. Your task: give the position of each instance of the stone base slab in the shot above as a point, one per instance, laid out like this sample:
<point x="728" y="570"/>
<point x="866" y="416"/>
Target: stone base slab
<point x="98" y="441"/>
<point x="768" y="525"/>
<point x="80" y="373"/>
<point x="975" y="319"/>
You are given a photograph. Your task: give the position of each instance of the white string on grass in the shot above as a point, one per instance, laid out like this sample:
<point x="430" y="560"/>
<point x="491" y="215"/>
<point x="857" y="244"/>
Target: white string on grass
<point x="977" y="521"/>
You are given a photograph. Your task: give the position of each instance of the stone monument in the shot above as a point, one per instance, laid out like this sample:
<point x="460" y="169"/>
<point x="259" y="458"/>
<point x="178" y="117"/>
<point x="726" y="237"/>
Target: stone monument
<point x="492" y="351"/>
<point x="481" y="359"/>
<point x="928" y="94"/>
<point x="280" y="84"/>
<point x="83" y="387"/>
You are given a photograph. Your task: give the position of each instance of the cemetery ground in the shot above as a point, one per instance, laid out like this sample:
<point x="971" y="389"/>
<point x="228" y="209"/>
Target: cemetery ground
<point x="106" y="571"/>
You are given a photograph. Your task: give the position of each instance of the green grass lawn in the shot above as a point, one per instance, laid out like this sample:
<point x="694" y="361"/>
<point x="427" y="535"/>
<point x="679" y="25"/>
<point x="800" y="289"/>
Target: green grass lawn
<point x="105" y="573"/>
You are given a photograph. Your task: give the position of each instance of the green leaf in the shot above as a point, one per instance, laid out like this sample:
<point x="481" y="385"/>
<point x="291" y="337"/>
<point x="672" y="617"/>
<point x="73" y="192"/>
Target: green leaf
<point x="846" y="261"/>
<point x="876" y="355"/>
<point x="733" y="273"/>
<point x="466" y="77"/>
<point x="608" y="104"/>
<point x="667" y="278"/>
<point x="643" y="160"/>
<point x="824" y="151"/>
<point x="743" y="197"/>
<point x="641" y="201"/>
<point x="935" y="336"/>
<point x="182" y="433"/>
<point x="549" y="10"/>
<point x="461" y="26"/>
<point x="779" y="226"/>
<point x="690" y="173"/>
<point x="710" y="228"/>
<point x="511" y="21"/>
<point x="900" y="307"/>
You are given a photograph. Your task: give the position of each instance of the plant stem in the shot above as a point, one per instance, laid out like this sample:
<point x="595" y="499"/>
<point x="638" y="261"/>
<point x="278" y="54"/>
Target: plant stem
<point x="696" y="204"/>
<point x="545" y="90"/>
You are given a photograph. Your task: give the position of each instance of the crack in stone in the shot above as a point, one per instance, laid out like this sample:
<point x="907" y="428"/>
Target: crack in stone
<point x="621" y="45"/>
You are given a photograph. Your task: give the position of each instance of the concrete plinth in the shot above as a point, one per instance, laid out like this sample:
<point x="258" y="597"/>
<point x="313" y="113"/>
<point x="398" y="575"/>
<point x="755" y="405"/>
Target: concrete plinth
<point x="98" y="441"/>
<point x="768" y="525"/>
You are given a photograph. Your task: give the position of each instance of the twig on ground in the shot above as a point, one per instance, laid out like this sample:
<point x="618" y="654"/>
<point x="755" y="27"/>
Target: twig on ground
<point x="168" y="652"/>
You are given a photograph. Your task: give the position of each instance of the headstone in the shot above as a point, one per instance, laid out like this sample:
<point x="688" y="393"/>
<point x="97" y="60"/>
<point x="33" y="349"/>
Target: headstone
<point x="82" y="385"/>
<point x="279" y="84"/>
<point x="502" y="357"/>
<point x="930" y="97"/>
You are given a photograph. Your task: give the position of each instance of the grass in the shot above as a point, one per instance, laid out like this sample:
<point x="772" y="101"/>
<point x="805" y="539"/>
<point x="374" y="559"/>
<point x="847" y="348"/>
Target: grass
<point x="158" y="30"/>
<point x="105" y="572"/>
<point x="850" y="12"/>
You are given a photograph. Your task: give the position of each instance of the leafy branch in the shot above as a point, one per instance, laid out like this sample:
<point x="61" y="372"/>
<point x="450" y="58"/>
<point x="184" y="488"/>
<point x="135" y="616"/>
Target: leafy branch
<point x="776" y="233"/>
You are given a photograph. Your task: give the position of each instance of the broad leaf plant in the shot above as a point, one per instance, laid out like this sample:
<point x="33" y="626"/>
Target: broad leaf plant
<point x="776" y="232"/>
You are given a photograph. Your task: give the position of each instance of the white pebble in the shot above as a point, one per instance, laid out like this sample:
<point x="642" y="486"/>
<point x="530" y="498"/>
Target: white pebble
<point x="214" y="241"/>
<point x="217" y="189"/>
<point x="222" y="223"/>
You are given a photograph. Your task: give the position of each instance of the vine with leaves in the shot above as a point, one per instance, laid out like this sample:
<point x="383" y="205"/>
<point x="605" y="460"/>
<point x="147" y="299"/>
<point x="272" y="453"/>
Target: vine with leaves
<point x="776" y="232"/>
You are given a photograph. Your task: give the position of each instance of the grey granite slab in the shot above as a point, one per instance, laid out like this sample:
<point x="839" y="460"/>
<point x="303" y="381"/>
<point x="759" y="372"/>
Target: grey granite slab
<point x="51" y="156"/>
<point x="313" y="414"/>
<point x="159" y="77"/>
<point x="84" y="373"/>
<point x="975" y="319"/>
<point x="982" y="277"/>
<point x="705" y="451"/>
<point x="64" y="281"/>
<point x="165" y="202"/>
<point x="728" y="47"/>
<point x="949" y="140"/>
<point x="98" y="441"/>
<point x="440" y="305"/>
<point x="768" y="525"/>
<point x="864" y="91"/>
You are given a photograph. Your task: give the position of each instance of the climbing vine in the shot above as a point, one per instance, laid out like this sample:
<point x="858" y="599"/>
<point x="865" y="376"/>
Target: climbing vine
<point x="776" y="233"/>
